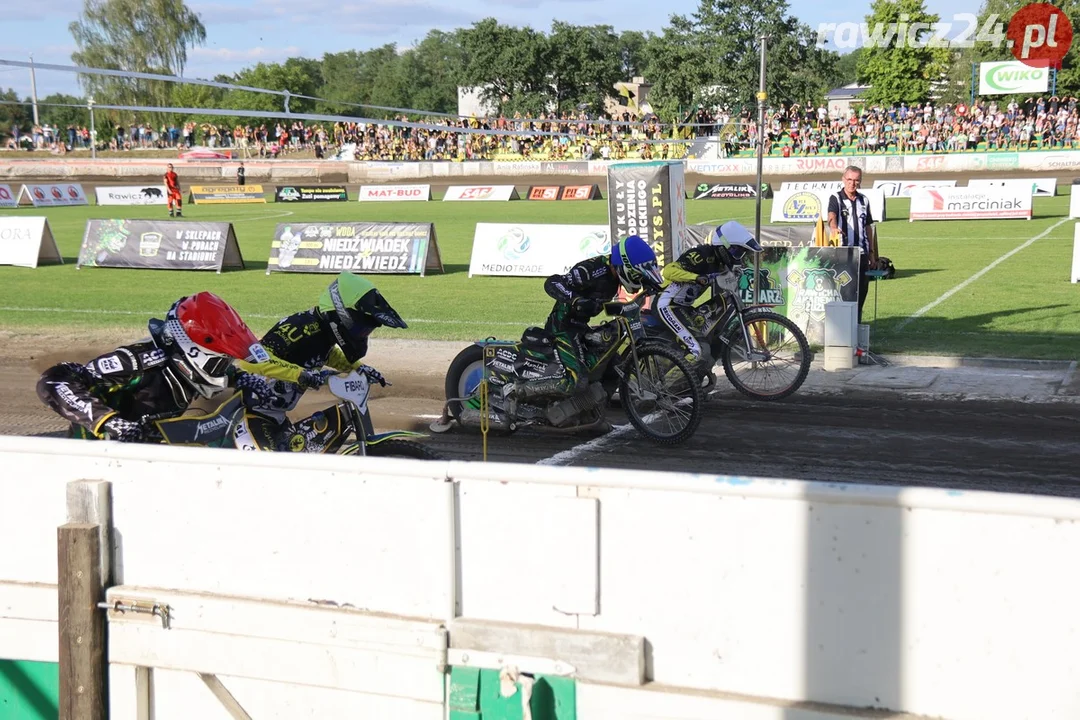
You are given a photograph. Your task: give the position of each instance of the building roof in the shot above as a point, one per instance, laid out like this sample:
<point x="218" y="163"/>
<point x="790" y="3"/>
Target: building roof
<point x="847" y="92"/>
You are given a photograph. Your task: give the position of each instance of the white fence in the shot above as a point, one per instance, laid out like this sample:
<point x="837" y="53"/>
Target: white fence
<point x="338" y="586"/>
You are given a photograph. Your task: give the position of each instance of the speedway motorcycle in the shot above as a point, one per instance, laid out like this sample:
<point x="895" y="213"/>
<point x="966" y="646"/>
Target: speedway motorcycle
<point x="228" y="426"/>
<point x="654" y="382"/>
<point x="765" y="355"/>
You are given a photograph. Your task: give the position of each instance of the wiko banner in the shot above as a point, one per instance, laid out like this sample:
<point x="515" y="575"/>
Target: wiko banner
<point x="160" y="245"/>
<point x="363" y="247"/>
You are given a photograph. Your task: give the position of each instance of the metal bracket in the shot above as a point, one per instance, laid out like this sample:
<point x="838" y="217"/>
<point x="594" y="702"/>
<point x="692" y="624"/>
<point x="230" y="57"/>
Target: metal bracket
<point x="496" y="661"/>
<point x="146" y="608"/>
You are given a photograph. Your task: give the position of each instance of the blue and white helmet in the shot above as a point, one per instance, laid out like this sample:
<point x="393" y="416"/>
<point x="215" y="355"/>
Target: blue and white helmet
<point x="736" y="239"/>
<point x="635" y="264"/>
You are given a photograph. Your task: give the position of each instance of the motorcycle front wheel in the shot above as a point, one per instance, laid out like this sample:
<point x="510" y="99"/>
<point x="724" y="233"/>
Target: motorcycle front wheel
<point x="776" y="363"/>
<point x="660" y="395"/>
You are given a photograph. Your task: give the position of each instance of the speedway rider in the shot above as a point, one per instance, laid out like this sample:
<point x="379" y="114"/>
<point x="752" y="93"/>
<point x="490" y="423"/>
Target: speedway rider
<point x="690" y="275"/>
<point x="334" y="334"/>
<point x="580" y="294"/>
<point x="192" y="352"/>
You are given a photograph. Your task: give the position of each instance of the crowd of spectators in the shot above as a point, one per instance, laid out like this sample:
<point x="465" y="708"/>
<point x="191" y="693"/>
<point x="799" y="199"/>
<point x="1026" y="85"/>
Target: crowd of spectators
<point x="813" y="129"/>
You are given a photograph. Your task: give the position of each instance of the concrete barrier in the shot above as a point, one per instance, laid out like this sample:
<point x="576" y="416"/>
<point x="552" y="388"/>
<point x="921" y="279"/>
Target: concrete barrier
<point x="260" y="170"/>
<point x="380" y="583"/>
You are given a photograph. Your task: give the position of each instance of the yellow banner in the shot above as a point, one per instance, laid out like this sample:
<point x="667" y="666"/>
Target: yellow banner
<point x="221" y="194"/>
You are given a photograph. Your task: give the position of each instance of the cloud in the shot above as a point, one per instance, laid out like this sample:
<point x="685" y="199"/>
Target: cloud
<point x="363" y="16"/>
<point x="39" y="11"/>
<point x="255" y="54"/>
<point x="531" y="4"/>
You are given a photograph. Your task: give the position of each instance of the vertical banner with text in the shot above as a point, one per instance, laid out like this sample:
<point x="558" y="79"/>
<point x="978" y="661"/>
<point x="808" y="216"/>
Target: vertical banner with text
<point x="648" y="199"/>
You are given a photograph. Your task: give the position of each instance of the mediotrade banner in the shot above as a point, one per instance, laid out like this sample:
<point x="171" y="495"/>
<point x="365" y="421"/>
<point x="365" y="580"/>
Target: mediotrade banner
<point x="649" y="199"/>
<point x="723" y="191"/>
<point x="903" y="188"/>
<point x="393" y="193"/>
<point x="131" y="195"/>
<point x="363" y="247"/>
<point x="27" y="242"/>
<point x="481" y="192"/>
<point x="7" y="197"/>
<point x="160" y="245"/>
<point x="534" y="250"/>
<point x="1012" y="77"/>
<point x="966" y="203"/>
<point x="1040" y="187"/>
<point x="53" y="195"/>
<point x="310" y="193"/>
<point x="799" y="281"/>
<point x="225" y="194"/>
<point x="806" y="205"/>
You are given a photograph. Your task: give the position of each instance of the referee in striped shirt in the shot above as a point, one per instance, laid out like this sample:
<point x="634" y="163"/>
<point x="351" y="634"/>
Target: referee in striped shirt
<point x="850" y="217"/>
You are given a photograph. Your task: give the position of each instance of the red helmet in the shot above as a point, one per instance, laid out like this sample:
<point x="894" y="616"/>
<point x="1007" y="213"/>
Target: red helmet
<point x="209" y="335"/>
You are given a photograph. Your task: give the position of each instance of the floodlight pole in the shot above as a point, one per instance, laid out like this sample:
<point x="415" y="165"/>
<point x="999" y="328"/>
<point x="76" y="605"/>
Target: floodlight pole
<point x="93" y="132"/>
<point x="761" y="96"/>
<point x="33" y="89"/>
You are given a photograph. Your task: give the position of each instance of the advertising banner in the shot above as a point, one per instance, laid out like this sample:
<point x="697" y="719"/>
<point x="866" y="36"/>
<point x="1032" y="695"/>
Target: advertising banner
<point x="1011" y="77"/>
<point x="1074" y="200"/>
<point x="649" y="199"/>
<point x="966" y="203"/>
<point x="310" y="193"/>
<point x="771" y="235"/>
<point x="53" y="195"/>
<point x="581" y="192"/>
<point x="806" y="205"/>
<point x="544" y="192"/>
<point x="132" y="195"/>
<point x="8" y="198"/>
<point x="723" y="191"/>
<point x="903" y="188"/>
<point x="1040" y="187"/>
<point x="27" y="242"/>
<point x="400" y="248"/>
<point x="1076" y="254"/>
<point x="225" y="194"/>
<point x="799" y="280"/>
<point x="534" y="250"/>
<point x="564" y="167"/>
<point x="393" y="193"/>
<point x="481" y="192"/>
<point x="160" y="245"/>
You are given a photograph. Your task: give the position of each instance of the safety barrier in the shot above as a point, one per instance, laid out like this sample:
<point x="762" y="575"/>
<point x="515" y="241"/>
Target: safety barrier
<point x="1043" y="161"/>
<point x="343" y="586"/>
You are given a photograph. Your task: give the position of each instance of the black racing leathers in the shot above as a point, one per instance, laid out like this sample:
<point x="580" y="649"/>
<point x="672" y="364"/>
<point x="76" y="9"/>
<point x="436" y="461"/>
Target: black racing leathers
<point x="588" y="280"/>
<point x="302" y="341"/>
<point x="130" y="382"/>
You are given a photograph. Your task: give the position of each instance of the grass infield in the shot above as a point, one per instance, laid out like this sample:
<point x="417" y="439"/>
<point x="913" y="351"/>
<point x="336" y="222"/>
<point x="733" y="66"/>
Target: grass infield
<point x="1020" y="305"/>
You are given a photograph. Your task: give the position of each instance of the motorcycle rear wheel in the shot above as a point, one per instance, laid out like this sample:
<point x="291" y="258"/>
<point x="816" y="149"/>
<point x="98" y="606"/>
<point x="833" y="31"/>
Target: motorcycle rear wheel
<point x="464" y="376"/>
<point x="763" y="327"/>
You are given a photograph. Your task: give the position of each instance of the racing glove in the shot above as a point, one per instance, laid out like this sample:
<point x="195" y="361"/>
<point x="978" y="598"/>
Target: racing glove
<point x="313" y="379"/>
<point x="587" y="306"/>
<point x="123" y="430"/>
<point x="373" y="375"/>
<point x="255" y="384"/>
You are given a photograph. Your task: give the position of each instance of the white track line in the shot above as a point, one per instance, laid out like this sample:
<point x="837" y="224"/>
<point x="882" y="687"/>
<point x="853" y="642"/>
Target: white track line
<point x="949" y="293"/>
<point x="249" y="218"/>
<point x="87" y="311"/>
<point x="567" y="456"/>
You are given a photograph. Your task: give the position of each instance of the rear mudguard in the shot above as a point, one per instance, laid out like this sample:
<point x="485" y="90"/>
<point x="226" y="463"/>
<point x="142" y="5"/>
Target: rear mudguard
<point x="353" y="448"/>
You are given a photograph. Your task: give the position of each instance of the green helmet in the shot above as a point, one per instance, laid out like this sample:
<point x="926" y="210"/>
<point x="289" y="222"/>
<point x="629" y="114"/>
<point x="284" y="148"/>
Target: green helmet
<point x="354" y="307"/>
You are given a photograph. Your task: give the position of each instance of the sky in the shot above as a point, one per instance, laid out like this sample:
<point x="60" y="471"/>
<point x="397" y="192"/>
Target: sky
<point x="240" y="33"/>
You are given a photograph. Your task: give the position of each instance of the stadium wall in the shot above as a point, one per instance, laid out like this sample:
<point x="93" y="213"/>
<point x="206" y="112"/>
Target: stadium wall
<point x="321" y="586"/>
<point x="266" y="171"/>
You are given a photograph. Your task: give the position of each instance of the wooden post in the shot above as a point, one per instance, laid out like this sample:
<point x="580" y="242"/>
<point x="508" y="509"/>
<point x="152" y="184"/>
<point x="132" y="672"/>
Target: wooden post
<point x="82" y="625"/>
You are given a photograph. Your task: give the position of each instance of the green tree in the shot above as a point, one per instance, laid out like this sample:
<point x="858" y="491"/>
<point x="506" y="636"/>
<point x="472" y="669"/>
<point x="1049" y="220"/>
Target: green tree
<point x="14" y="115"/>
<point x="633" y="55"/>
<point x="51" y="112"/>
<point x="509" y="64"/>
<point x="712" y="57"/>
<point x="583" y="64"/>
<point x="150" y="36"/>
<point x="435" y="67"/>
<point x="300" y="76"/>
<point x="847" y="67"/>
<point x="901" y="68"/>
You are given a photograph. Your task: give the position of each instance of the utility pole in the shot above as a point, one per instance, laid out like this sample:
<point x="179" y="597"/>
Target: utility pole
<point x="761" y="96"/>
<point x="33" y="89"/>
